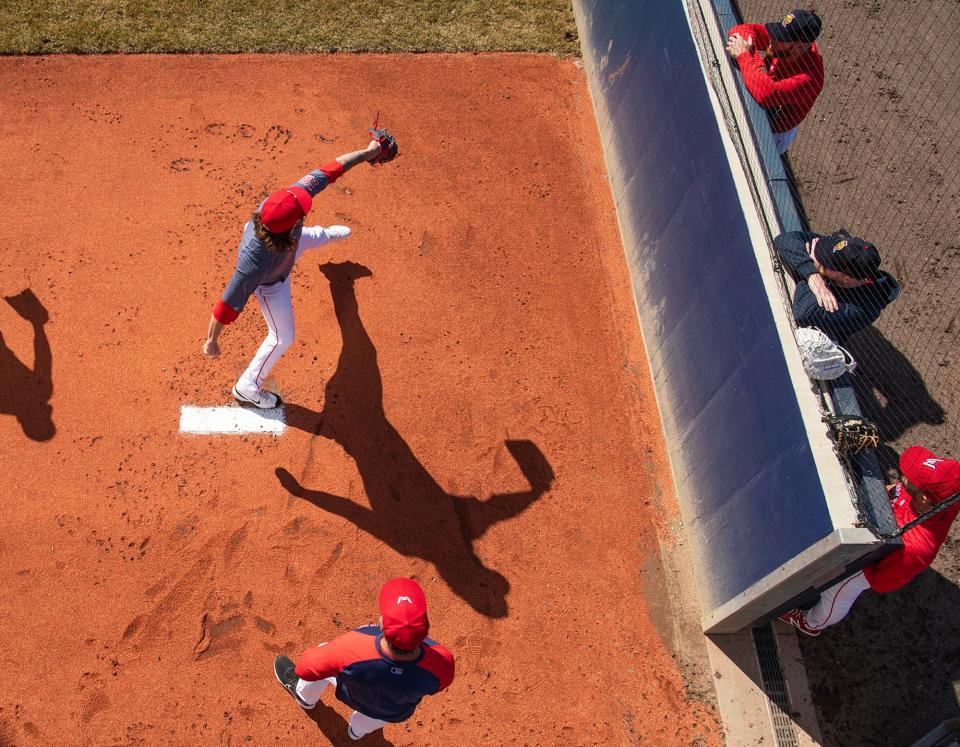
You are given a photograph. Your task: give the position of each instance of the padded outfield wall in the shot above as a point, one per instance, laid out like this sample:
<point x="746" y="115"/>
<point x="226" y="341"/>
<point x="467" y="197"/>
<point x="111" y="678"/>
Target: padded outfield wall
<point x="767" y="507"/>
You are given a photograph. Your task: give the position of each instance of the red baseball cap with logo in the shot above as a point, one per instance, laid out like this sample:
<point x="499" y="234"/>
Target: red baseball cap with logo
<point x="938" y="478"/>
<point x="403" y="607"/>
<point x="284" y="208"/>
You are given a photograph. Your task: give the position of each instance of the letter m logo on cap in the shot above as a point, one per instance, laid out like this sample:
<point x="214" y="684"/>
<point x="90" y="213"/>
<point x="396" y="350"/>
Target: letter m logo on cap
<point x="788" y="19"/>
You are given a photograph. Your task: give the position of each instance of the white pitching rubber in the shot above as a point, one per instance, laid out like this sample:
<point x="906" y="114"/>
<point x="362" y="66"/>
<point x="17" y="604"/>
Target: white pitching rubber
<point x="231" y="420"/>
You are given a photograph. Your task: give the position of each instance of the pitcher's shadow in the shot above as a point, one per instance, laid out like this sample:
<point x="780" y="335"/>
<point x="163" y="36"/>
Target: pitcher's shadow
<point x="409" y="511"/>
<point x="26" y="392"/>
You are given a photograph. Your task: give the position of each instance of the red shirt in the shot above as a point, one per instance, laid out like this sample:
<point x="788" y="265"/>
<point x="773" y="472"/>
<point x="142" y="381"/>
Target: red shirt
<point x="920" y="544"/>
<point x="785" y="88"/>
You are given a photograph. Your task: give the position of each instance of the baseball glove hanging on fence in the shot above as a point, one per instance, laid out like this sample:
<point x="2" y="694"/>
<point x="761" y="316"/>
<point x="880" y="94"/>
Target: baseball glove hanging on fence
<point x="388" y="143"/>
<point x="852" y="434"/>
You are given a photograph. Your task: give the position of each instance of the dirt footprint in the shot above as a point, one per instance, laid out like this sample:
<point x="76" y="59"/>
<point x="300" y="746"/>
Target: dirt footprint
<point x="217" y="637"/>
<point x="474" y="649"/>
<point x="276" y="137"/>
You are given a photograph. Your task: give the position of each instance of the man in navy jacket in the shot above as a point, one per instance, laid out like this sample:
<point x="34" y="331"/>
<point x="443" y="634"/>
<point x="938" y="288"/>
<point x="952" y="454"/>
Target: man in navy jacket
<point x="840" y="286"/>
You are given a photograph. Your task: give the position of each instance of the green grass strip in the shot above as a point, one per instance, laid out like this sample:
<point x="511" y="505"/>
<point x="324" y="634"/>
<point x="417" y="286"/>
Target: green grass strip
<point x="226" y="26"/>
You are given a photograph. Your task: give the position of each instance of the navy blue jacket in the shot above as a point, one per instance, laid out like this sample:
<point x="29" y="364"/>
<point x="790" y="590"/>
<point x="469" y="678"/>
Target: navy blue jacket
<point x="859" y="307"/>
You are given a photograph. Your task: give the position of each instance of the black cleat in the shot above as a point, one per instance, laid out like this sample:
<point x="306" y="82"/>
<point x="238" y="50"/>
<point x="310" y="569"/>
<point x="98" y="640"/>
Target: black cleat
<point x="284" y="668"/>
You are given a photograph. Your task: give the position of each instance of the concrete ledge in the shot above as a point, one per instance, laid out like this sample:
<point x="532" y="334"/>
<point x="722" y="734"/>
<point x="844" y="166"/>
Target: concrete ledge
<point x="743" y="703"/>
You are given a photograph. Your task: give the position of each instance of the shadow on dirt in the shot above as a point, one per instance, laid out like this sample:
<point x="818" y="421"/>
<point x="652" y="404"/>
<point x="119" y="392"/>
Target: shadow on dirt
<point x="866" y="690"/>
<point x="886" y="674"/>
<point x="891" y="392"/>
<point x="409" y="511"/>
<point x="334" y="728"/>
<point x="26" y="392"/>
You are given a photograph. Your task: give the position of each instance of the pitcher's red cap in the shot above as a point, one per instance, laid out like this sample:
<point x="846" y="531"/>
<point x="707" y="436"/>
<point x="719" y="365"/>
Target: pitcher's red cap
<point x="403" y="607"/>
<point x="938" y="478"/>
<point x="284" y="208"/>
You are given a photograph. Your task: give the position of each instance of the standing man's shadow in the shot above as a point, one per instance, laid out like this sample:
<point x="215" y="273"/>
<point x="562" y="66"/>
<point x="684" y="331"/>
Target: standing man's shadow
<point x="334" y="727"/>
<point x="25" y="393"/>
<point x="408" y="510"/>
<point x="893" y="394"/>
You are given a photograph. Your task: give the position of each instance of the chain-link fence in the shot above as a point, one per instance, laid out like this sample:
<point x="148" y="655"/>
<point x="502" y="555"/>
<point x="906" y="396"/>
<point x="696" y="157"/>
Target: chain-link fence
<point x="878" y="155"/>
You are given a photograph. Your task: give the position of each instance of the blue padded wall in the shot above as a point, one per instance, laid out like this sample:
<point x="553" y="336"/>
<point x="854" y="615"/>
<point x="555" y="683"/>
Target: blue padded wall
<point x="753" y="498"/>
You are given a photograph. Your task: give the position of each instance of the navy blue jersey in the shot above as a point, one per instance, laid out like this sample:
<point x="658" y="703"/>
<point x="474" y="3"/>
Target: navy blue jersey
<point x="256" y="264"/>
<point x="371" y="682"/>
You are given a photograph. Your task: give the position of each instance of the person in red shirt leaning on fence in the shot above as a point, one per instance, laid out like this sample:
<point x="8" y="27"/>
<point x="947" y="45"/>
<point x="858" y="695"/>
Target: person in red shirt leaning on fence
<point x="926" y="481"/>
<point x="781" y="68"/>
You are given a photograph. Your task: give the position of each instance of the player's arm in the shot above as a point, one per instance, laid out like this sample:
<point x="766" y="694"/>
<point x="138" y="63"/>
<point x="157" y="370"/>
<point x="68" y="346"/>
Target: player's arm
<point x="795" y="249"/>
<point x="752" y="33"/>
<point x="211" y="348"/>
<point x="749" y="39"/>
<point x="839" y="324"/>
<point x="228" y="308"/>
<point x="791" y="247"/>
<point x="320" y="178"/>
<point x="223" y="314"/>
<point x="327" y="659"/>
<point x="315" y="236"/>
<point x="349" y="160"/>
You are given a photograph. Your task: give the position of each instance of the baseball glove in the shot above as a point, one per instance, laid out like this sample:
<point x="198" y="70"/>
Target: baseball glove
<point x="388" y="146"/>
<point x="851" y="434"/>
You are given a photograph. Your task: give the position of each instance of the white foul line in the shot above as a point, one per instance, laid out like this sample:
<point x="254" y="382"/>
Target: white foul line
<point x="231" y="420"/>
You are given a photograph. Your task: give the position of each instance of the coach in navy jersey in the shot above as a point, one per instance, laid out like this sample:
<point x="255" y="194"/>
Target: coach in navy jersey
<point x="381" y="671"/>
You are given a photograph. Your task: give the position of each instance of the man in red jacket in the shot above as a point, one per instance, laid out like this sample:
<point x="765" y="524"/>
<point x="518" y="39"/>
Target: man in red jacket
<point x="781" y="68"/>
<point x="926" y="481"/>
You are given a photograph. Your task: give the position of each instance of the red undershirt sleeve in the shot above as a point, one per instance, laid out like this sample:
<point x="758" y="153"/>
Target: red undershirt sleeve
<point x="224" y="313"/>
<point x="333" y="169"/>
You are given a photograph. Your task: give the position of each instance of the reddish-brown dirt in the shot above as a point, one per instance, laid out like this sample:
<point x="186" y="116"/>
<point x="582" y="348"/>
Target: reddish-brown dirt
<point x="473" y="388"/>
